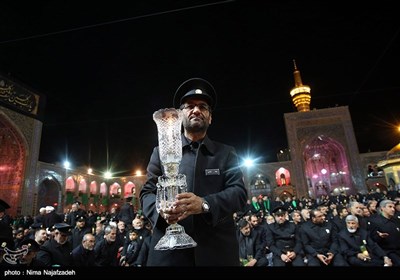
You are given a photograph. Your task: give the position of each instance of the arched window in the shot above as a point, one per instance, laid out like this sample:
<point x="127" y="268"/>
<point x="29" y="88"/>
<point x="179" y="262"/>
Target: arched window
<point x="70" y="184"/>
<point x="326" y="166"/>
<point x="103" y="189"/>
<point x="82" y="186"/>
<point x="260" y="185"/>
<point x="129" y="189"/>
<point x="93" y="188"/>
<point x="115" y="189"/>
<point x="282" y="176"/>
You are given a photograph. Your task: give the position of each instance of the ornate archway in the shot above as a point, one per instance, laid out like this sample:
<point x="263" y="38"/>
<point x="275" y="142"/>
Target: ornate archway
<point x="12" y="164"/>
<point x="326" y="166"/>
<point x="48" y="193"/>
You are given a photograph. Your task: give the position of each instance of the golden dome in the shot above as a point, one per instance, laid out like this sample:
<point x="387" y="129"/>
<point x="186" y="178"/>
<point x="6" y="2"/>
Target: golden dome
<point x="394" y="152"/>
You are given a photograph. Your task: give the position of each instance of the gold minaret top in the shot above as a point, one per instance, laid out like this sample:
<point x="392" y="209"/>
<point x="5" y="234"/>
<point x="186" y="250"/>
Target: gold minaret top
<point x="301" y="96"/>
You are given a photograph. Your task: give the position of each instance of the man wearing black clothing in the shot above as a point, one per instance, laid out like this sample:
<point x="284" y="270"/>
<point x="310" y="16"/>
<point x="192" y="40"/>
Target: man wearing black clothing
<point x="83" y="255"/>
<point x="215" y="188"/>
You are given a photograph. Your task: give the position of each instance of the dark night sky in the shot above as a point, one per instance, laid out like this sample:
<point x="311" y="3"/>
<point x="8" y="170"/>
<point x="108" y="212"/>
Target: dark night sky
<point x="105" y="69"/>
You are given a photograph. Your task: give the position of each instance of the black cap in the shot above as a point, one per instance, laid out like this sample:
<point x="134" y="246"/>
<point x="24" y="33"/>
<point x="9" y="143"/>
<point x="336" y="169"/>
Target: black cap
<point x="62" y="227"/>
<point x="3" y="205"/>
<point x="279" y="210"/>
<point x="31" y="244"/>
<point x="80" y="218"/>
<point x="78" y="202"/>
<point x="195" y="87"/>
<point x="36" y="226"/>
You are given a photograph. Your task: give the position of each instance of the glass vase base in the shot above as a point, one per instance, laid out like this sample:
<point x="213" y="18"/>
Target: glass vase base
<point x="175" y="238"/>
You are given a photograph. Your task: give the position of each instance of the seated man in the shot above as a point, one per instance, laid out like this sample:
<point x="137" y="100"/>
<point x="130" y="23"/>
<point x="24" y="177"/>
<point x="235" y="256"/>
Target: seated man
<point x="358" y="247"/>
<point x="251" y="250"/>
<point x="284" y="241"/>
<point x="320" y="241"/>
<point x="384" y="230"/>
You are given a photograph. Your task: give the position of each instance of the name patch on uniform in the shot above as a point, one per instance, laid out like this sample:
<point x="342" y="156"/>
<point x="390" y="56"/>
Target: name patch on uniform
<point x="210" y="172"/>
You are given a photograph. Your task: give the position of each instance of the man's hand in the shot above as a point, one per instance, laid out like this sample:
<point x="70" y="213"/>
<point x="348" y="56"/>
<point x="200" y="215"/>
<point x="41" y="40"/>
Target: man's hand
<point x="382" y="234"/>
<point x="188" y="204"/>
<point x="185" y="204"/>
<point x="329" y="258"/>
<point x="322" y="258"/>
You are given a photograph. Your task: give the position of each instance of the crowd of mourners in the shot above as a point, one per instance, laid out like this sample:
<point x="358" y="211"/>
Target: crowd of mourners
<point x="333" y="230"/>
<point x="77" y="238"/>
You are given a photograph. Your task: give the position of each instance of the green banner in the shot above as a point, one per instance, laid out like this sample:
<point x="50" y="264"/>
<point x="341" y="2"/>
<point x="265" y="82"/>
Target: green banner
<point x="84" y="198"/>
<point x="95" y="198"/>
<point x="105" y="201"/>
<point x="69" y="198"/>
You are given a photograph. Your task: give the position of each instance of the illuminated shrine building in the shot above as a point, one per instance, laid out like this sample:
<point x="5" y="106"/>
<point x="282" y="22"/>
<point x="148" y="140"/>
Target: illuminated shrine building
<point x="322" y="157"/>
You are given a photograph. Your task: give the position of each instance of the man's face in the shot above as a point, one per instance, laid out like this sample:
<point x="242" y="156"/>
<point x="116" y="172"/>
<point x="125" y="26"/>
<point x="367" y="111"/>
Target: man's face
<point x="254" y="221"/>
<point x="89" y="243"/>
<point x="319" y="218"/>
<point x="81" y="223"/>
<point x="296" y="217"/>
<point x="60" y="237"/>
<point x="197" y="115"/>
<point x="111" y="236"/>
<point x="246" y="230"/>
<point x="121" y="225"/>
<point x="41" y="236"/>
<point x="352" y="226"/>
<point x="280" y="218"/>
<point x="137" y="223"/>
<point x="388" y="210"/>
<point x="356" y="209"/>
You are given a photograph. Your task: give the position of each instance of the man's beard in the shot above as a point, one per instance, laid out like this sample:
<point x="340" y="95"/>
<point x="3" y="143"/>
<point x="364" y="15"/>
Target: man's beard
<point x="352" y="230"/>
<point x="195" y="127"/>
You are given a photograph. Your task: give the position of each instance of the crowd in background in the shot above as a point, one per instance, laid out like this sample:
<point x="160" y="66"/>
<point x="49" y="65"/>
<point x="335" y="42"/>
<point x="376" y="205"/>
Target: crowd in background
<point x="333" y="230"/>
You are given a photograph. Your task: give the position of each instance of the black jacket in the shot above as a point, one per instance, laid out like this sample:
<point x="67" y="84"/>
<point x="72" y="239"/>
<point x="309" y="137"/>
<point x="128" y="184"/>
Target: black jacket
<point x="219" y="179"/>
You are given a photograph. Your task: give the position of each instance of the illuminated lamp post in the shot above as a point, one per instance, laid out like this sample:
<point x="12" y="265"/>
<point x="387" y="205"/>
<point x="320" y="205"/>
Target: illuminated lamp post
<point x="69" y="187"/>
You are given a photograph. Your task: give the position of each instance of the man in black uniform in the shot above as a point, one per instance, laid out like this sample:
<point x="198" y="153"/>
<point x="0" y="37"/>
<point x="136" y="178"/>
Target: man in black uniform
<point x="385" y="230"/>
<point x="215" y="185"/>
<point x="79" y="231"/>
<point x="84" y="255"/>
<point x="284" y="241"/>
<point x="29" y="259"/>
<point x="359" y="248"/>
<point x="57" y="250"/>
<point x="127" y="213"/>
<point x="320" y="243"/>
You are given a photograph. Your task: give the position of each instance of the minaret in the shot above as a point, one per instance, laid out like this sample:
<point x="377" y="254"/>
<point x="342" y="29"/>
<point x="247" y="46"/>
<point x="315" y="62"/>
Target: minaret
<point x="301" y="96"/>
